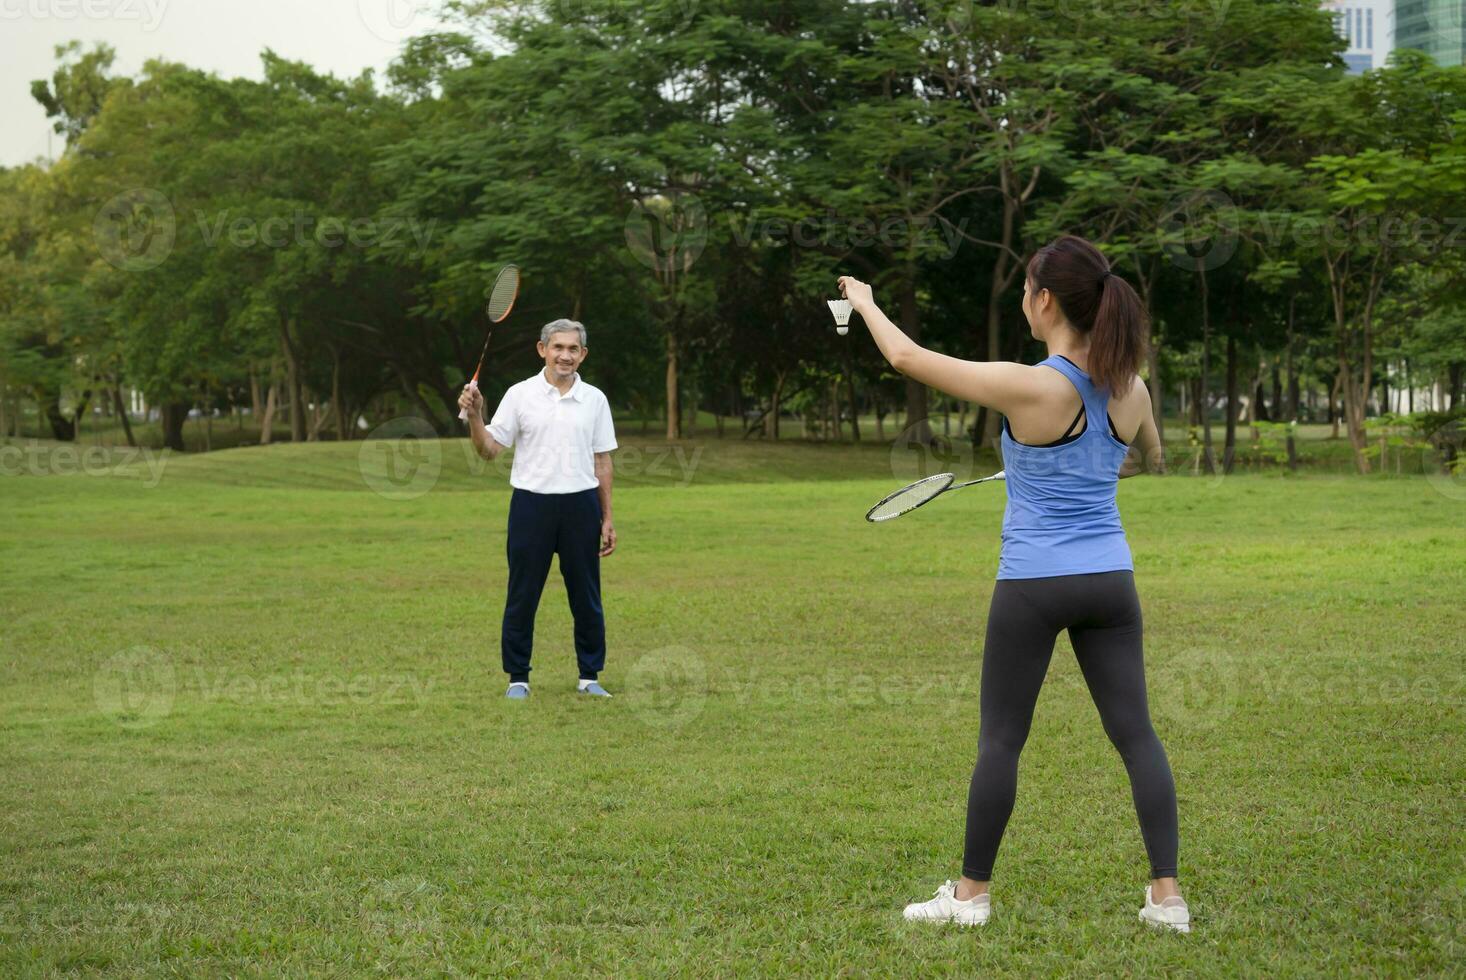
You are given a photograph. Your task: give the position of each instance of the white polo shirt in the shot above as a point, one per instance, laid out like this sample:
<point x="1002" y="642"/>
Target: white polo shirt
<point x="555" y="437"/>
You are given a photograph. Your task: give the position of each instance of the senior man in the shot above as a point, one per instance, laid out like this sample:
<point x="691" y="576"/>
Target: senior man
<point x="562" y="433"/>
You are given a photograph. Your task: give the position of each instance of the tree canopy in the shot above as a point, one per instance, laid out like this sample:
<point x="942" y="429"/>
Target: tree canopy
<point x="688" y="177"/>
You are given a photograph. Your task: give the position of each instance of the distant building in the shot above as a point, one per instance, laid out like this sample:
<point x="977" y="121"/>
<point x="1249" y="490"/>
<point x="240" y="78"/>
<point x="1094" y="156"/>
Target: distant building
<point x="1437" y="27"/>
<point x="1369" y="27"/>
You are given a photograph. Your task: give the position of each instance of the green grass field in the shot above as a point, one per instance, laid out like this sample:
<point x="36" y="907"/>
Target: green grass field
<point x="253" y="725"/>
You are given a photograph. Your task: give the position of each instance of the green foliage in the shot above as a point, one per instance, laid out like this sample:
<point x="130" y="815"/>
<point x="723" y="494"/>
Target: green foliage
<point x="689" y="178"/>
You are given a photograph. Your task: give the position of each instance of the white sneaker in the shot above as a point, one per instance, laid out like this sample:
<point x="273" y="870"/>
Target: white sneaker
<point x="1171" y="913"/>
<point x="945" y="908"/>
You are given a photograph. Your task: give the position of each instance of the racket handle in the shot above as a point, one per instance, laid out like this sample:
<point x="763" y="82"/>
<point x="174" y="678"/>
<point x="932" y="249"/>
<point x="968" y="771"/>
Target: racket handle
<point x="463" y="412"/>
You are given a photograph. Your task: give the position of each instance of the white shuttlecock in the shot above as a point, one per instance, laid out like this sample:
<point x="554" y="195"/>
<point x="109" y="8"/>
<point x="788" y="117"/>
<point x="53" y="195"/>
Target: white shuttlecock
<point x="840" y="309"/>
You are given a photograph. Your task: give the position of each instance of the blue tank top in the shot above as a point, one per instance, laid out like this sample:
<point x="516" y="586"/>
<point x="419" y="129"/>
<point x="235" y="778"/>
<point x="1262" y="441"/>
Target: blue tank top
<point x="1062" y="518"/>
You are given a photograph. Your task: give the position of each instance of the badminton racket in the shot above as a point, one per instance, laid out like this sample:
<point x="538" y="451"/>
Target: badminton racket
<point x="907" y="499"/>
<point x="500" y="301"/>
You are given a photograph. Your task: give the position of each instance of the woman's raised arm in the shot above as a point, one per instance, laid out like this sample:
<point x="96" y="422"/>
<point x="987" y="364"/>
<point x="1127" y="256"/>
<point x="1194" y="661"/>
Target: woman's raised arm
<point x="1000" y="385"/>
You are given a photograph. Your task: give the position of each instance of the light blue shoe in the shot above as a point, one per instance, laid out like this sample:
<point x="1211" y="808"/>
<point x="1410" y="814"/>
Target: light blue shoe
<point x="595" y="690"/>
<point x="518" y="691"/>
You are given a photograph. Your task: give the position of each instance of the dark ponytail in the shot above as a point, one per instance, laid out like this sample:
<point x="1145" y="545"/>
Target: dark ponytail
<point x="1097" y="303"/>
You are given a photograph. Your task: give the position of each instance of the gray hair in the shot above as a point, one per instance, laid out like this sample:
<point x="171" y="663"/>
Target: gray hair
<point x="562" y="325"/>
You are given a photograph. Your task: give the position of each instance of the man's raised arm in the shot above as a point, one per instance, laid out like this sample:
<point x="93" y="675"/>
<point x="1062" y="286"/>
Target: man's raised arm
<point x="472" y="402"/>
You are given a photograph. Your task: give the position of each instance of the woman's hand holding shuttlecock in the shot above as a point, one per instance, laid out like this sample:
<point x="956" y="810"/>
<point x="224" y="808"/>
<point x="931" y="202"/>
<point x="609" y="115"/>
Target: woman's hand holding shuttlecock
<point x="857" y="292"/>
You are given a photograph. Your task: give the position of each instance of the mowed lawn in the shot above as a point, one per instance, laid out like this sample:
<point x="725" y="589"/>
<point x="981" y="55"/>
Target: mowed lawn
<point x="251" y="722"/>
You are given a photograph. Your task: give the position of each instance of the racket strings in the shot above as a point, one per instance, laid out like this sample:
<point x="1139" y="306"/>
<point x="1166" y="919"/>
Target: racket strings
<point x="909" y="498"/>
<point x="501" y="299"/>
<point x="502" y="296"/>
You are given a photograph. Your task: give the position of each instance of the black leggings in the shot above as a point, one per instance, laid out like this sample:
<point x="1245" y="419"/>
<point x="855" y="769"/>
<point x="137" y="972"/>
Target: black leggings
<point x="1102" y="614"/>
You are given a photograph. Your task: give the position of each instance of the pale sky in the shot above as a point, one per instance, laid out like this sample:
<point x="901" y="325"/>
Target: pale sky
<point x="223" y="36"/>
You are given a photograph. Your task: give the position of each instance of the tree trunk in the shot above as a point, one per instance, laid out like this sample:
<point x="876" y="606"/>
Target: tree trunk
<point x="1333" y="405"/>
<point x="293" y="383"/>
<point x="1203" y="394"/>
<point x="850" y="397"/>
<point x="919" y="428"/>
<point x="837" y="409"/>
<point x="63" y="429"/>
<point x="336" y="406"/>
<point x="82" y="407"/>
<point x="320" y="415"/>
<point x="173" y="415"/>
<point x="1229" y="444"/>
<point x="1276" y="412"/>
<point x="254" y="397"/>
<point x="1353" y="398"/>
<point x="122" y="414"/>
<point x="267" y="420"/>
<point x="771" y="420"/>
<point x="1291" y="414"/>
<point x="1354" y="393"/>
<point x="1157" y="397"/>
<point x="827" y="418"/>
<point x="674" y="403"/>
<point x="313" y="419"/>
<point x="1145" y="279"/>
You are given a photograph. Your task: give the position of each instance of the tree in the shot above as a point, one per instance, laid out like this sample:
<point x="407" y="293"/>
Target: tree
<point x="1403" y="158"/>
